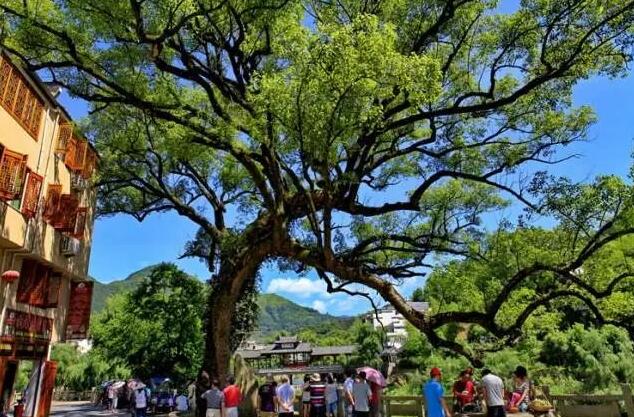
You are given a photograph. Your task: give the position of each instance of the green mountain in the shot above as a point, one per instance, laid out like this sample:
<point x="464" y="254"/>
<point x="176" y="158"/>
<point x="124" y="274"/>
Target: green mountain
<point x="101" y="291"/>
<point x="277" y="314"/>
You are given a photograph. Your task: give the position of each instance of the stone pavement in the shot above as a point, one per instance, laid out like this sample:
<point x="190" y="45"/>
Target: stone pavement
<point x="82" y="409"/>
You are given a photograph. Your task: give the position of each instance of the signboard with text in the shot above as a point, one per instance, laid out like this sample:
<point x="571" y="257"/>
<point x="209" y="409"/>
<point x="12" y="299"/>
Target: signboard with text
<point x="26" y="326"/>
<point x="79" y="310"/>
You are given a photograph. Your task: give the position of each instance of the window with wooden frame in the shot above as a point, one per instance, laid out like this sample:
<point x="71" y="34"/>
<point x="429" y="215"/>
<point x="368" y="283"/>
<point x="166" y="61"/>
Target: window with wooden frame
<point x="22" y="97"/>
<point x="27" y="282"/>
<point x="32" y="194"/>
<point x="64" y="134"/>
<point x="11" y="90"/>
<point x="35" y="117"/>
<point x="71" y="151"/>
<point x="80" y="155"/>
<point x="90" y="164"/>
<point x="12" y="172"/>
<point x="19" y="98"/>
<point x="39" y="295"/>
<point x="53" y="197"/>
<point x="5" y="76"/>
<point x="80" y="222"/>
<point x="54" y="286"/>
<point x="76" y="151"/>
<point x="64" y="219"/>
<point x="38" y="285"/>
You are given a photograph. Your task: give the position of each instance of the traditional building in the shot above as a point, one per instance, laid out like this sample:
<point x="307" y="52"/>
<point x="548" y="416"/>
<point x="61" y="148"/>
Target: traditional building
<point x="393" y="322"/>
<point x="46" y="218"/>
<point x="290" y="356"/>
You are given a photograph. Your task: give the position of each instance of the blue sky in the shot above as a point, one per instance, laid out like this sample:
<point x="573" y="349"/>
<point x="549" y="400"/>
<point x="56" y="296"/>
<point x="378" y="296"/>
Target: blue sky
<point x="122" y="245"/>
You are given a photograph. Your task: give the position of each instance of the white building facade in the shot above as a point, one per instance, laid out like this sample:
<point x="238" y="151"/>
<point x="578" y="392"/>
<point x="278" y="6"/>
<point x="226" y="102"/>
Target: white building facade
<point x="394" y="324"/>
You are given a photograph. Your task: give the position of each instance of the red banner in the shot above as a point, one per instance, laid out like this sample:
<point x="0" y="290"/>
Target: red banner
<point x="79" y="310"/>
<point x="27" y="326"/>
<point x="46" y="390"/>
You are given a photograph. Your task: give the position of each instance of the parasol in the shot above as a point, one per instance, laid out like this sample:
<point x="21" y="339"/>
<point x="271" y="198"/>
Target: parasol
<point x="373" y="375"/>
<point x="119" y="384"/>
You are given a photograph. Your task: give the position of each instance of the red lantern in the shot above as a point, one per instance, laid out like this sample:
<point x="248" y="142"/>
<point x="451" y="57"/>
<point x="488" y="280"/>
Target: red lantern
<point x="10" y="276"/>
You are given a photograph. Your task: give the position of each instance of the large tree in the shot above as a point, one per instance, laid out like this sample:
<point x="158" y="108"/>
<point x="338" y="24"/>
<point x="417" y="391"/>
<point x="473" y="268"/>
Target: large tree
<point x="157" y="329"/>
<point x="356" y="138"/>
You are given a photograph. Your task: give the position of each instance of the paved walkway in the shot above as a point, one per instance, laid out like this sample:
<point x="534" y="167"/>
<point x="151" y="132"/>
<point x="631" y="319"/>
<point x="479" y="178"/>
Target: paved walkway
<point x="82" y="409"/>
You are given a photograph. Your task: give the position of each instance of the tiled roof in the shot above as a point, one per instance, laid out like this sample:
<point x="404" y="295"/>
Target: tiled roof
<point x="421" y="306"/>
<point x="249" y="354"/>
<point x="333" y="350"/>
<point x="300" y="348"/>
<point x="325" y="369"/>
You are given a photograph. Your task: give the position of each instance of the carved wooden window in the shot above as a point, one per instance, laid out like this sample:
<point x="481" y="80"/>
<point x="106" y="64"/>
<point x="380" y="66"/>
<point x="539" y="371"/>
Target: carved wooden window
<point x="39" y="295"/>
<point x="80" y="155"/>
<point x="32" y="194"/>
<point x="5" y="76"/>
<point x="64" y="219"/>
<point x="22" y="97"/>
<point x="54" y="286"/>
<point x="35" y="118"/>
<point x="28" y="281"/>
<point x="53" y="197"/>
<point x="29" y="107"/>
<point x="11" y="90"/>
<point x="12" y="171"/>
<point x="76" y="151"/>
<point x="80" y="222"/>
<point x="64" y="135"/>
<point x="71" y="152"/>
<point x="19" y="98"/>
<point x="90" y="164"/>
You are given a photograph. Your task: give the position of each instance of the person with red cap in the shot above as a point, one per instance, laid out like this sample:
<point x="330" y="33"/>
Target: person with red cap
<point x="433" y="392"/>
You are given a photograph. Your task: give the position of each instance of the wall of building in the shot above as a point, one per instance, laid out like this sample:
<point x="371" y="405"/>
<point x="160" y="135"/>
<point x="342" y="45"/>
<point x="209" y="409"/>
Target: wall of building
<point x="25" y="237"/>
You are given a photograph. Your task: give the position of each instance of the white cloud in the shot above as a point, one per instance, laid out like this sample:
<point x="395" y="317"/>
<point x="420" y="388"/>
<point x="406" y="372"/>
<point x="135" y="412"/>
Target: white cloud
<point x="319" y="306"/>
<point x="302" y="287"/>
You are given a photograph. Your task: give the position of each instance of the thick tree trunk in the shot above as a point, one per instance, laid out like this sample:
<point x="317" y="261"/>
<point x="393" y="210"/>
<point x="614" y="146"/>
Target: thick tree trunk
<point x="237" y="276"/>
<point x="218" y="337"/>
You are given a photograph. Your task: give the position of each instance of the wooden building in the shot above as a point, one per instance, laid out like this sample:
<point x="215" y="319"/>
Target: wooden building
<point x="290" y="356"/>
<point x="46" y="218"/>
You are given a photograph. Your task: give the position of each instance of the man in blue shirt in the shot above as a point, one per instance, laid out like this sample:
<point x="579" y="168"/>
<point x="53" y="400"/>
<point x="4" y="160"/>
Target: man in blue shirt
<point x="433" y="392"/>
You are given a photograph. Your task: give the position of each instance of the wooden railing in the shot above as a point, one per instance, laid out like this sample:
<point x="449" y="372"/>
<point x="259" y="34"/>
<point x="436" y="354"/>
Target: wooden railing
<point x="565" y="405"/>
<point x="66" y="395"/>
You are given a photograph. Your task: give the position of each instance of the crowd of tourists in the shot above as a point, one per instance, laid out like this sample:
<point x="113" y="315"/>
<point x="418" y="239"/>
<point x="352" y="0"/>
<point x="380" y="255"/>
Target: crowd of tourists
<point x="471" y="396"/>
<point x="140" y="399"/>
<point x="320" y="396"/>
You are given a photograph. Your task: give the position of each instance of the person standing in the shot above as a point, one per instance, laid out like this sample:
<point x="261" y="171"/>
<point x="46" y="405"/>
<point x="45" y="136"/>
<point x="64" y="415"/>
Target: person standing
<point x="233" y="397"/>
<point x="215" y="400"/>
<point x="267" y="398"/>
<point x="111" y="393"/>
<point x="493" y="388"/>
<point x="191" y="396"/>
<point x="433" y="392"/>
<point x="332" y="396"/>
<point x="361" y="396"/>
<point x="347" y="392"/>
<point x="286" y="398"/>
<point x="202" y="386"/>
<point x="306" y="396"/>
<point x="141" y="400"/>
<point x="182" y="403"/>
<point x="317" y="396"/>
<point x="375" y="401"/>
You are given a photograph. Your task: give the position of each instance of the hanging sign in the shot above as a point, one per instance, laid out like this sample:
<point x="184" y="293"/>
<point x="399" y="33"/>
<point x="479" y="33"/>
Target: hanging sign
<point x="26" y="326"/>
<point x="79" y="310"/>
